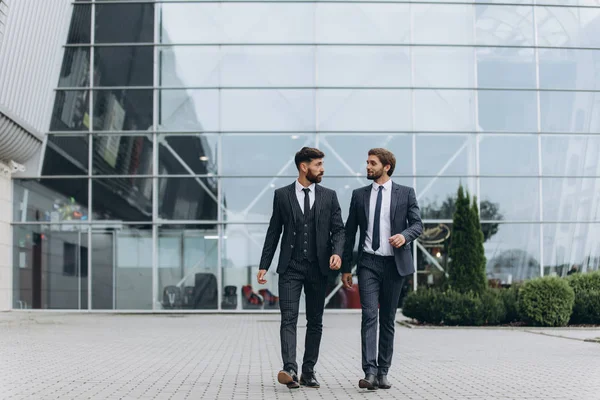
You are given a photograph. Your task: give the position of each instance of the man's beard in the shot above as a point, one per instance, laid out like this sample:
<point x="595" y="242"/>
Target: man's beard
<point x="374" y="176"/>
<point x="314" y="178"/>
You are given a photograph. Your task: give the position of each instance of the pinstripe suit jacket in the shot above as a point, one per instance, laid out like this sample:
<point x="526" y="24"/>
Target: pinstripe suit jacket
<point x="329" y="224"/>
<point x="405" y="219"/>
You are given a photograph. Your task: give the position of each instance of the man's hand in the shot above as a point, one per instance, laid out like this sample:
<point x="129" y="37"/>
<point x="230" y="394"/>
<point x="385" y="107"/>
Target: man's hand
<point x="261" y="276"/>
<point x="347" y="280"/>
<point x="335" y="262"/>
<point x="397" y="240"/>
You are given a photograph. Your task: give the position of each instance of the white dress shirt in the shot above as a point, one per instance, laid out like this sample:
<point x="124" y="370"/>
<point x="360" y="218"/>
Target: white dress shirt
<point x="300" y="195"/>
<point x="385" y="224"/>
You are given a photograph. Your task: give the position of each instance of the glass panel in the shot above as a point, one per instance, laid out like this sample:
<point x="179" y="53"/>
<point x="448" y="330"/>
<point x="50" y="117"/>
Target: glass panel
<point x="50" y="267"/>
<point x="508" y="155"/>
<point x="506" y="68"/>
<point x="188" y="110"/>
<point x="446" y="155"/>
<point x="237" y="23"/>
<point x="513" y="199"/>
<point x="444" y="110"/>
<point x="507" y="111"/>
<point x="569" y="112"/>
<point x="268" y="110"/>
<point x="569" y="69"/>
<point x="122" y="267"/>
<point x="124" y="23"/>
<point x="363" y="66"/>
<point x="571" y="248"/>
<point x="241" y="252"/>
<point x="75" y="70"/>
<point x="571" y="155"/>
<point x="187" y="268"/>
<point x="71" y="111"/>
<point x="251" y="199"/>
<point x="513" y="252"/>
<point x="188" y="154"/>
<point x="123" y="66"/>
<point x="504" y="25"/>
<point x="66" y="155"/>
<point x="81" y="24"/>
<point x="444" y="67"/>
<point x="443" y="24"/>
<point x="567" y="27"/>
<point x="364" y="110"/>
<point x="437" y="196"/>
<point x="269" y="155"/>
<point x="571" y="199"/>
<point x="50" y="200"/>
<point x="432" y="255"/>
<point x="122" y="110"/>
<point x="346" y="155"/>
<point x="122" y="199"/>
<point x="362" y="23"/>
<point x="262" y="66"/>
<point x="122" y="155"/>
<point x="188" y="198"/>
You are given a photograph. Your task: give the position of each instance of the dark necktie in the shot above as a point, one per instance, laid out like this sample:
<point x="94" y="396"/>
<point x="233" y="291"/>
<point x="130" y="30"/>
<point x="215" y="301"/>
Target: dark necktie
<point x="306" y="202"/>
<point x="376" y="220"/>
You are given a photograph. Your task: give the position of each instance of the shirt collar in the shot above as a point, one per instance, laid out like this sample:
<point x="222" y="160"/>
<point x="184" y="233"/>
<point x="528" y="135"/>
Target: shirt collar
<point x="387" y="186"/>
<point x="299" y="187"/>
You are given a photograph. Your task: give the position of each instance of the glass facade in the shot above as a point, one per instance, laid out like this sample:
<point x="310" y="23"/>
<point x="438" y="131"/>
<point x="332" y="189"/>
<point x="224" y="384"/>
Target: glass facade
<point x="175" y="121"/>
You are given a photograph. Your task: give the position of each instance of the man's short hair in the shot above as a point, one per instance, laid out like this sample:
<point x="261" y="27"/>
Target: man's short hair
<point x="307" y="154"/>
<point x="386" y="157"/>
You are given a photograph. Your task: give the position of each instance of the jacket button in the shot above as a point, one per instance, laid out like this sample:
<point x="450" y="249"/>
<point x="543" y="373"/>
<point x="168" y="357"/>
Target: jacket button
<point x="294" y="233"/>
<point x="292" y="246"/>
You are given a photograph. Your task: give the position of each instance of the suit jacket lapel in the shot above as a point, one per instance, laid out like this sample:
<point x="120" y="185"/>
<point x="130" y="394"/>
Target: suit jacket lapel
<point x="318" y="202"/>
<point x="293" y="199"/>
<point x="394" y="202"/>
<point x="367" y="202"/>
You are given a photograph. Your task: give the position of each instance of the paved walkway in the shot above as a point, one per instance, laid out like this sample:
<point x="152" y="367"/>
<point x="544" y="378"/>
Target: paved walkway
<point x="102" y="356"/>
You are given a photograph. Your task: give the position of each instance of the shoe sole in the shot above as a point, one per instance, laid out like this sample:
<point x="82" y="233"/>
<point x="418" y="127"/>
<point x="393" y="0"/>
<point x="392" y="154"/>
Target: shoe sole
<point x="363" y="384"/>
<point x="385" y="387"/>
<point x="284" y="378"/>
<point x="312" y="387"/>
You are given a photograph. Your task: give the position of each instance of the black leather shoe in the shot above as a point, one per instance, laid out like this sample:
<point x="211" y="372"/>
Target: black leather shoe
<point x="383" y="382"/>
<point x="368" y="382"/>
<point x="288" y="378"/>
<point x="309" y="380"/>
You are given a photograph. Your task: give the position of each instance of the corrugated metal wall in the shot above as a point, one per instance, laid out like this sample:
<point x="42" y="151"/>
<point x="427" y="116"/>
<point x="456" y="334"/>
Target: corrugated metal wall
<point x="30" y="57"/>
<point x="3" y="15"/>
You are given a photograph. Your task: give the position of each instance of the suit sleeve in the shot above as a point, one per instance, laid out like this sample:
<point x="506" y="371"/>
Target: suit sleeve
<point x="337" y="226"/>
<point x="273" y="235"/>
<point x="351" y="228"/>
<point x="415" y="225"/>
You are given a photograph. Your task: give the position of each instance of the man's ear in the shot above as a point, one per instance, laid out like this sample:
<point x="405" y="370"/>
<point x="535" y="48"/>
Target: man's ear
<point x="304" y="167"/>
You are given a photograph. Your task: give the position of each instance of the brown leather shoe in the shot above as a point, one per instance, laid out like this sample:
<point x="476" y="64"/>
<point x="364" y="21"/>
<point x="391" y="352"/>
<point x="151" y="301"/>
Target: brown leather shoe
<point x="288" y="378"/>
<point x="368" y="382"/>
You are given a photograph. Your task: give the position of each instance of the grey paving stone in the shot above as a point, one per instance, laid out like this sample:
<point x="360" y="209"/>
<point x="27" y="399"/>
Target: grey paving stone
<point x="104" y="356"/>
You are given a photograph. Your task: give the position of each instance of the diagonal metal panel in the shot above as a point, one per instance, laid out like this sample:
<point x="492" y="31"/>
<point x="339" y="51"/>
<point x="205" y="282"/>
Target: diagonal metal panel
<point x="15" y="142"/>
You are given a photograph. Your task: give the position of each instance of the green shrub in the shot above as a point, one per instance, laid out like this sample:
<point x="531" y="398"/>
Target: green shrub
<point x="546" y="301"/>
<point x="454" y="308"/>
<point x="510" y="299"/>
<point x="586" y="309"/>
<point x="493" y="307"/>
<point x="424" y="306"/>
<point x="584" y="282"/>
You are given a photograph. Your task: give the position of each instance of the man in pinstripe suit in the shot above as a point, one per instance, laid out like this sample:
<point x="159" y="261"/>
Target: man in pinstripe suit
<point x="389" y="220"/>
<point x="312" y="245"/>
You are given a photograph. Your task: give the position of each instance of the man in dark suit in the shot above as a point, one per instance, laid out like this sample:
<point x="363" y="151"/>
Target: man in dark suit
<point x="312" y="245"/>
<point x="388" y="217"/>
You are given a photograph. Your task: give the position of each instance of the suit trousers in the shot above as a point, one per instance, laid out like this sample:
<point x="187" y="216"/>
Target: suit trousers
<point x="301" y="274"/>
<point x="379" y="285"/>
